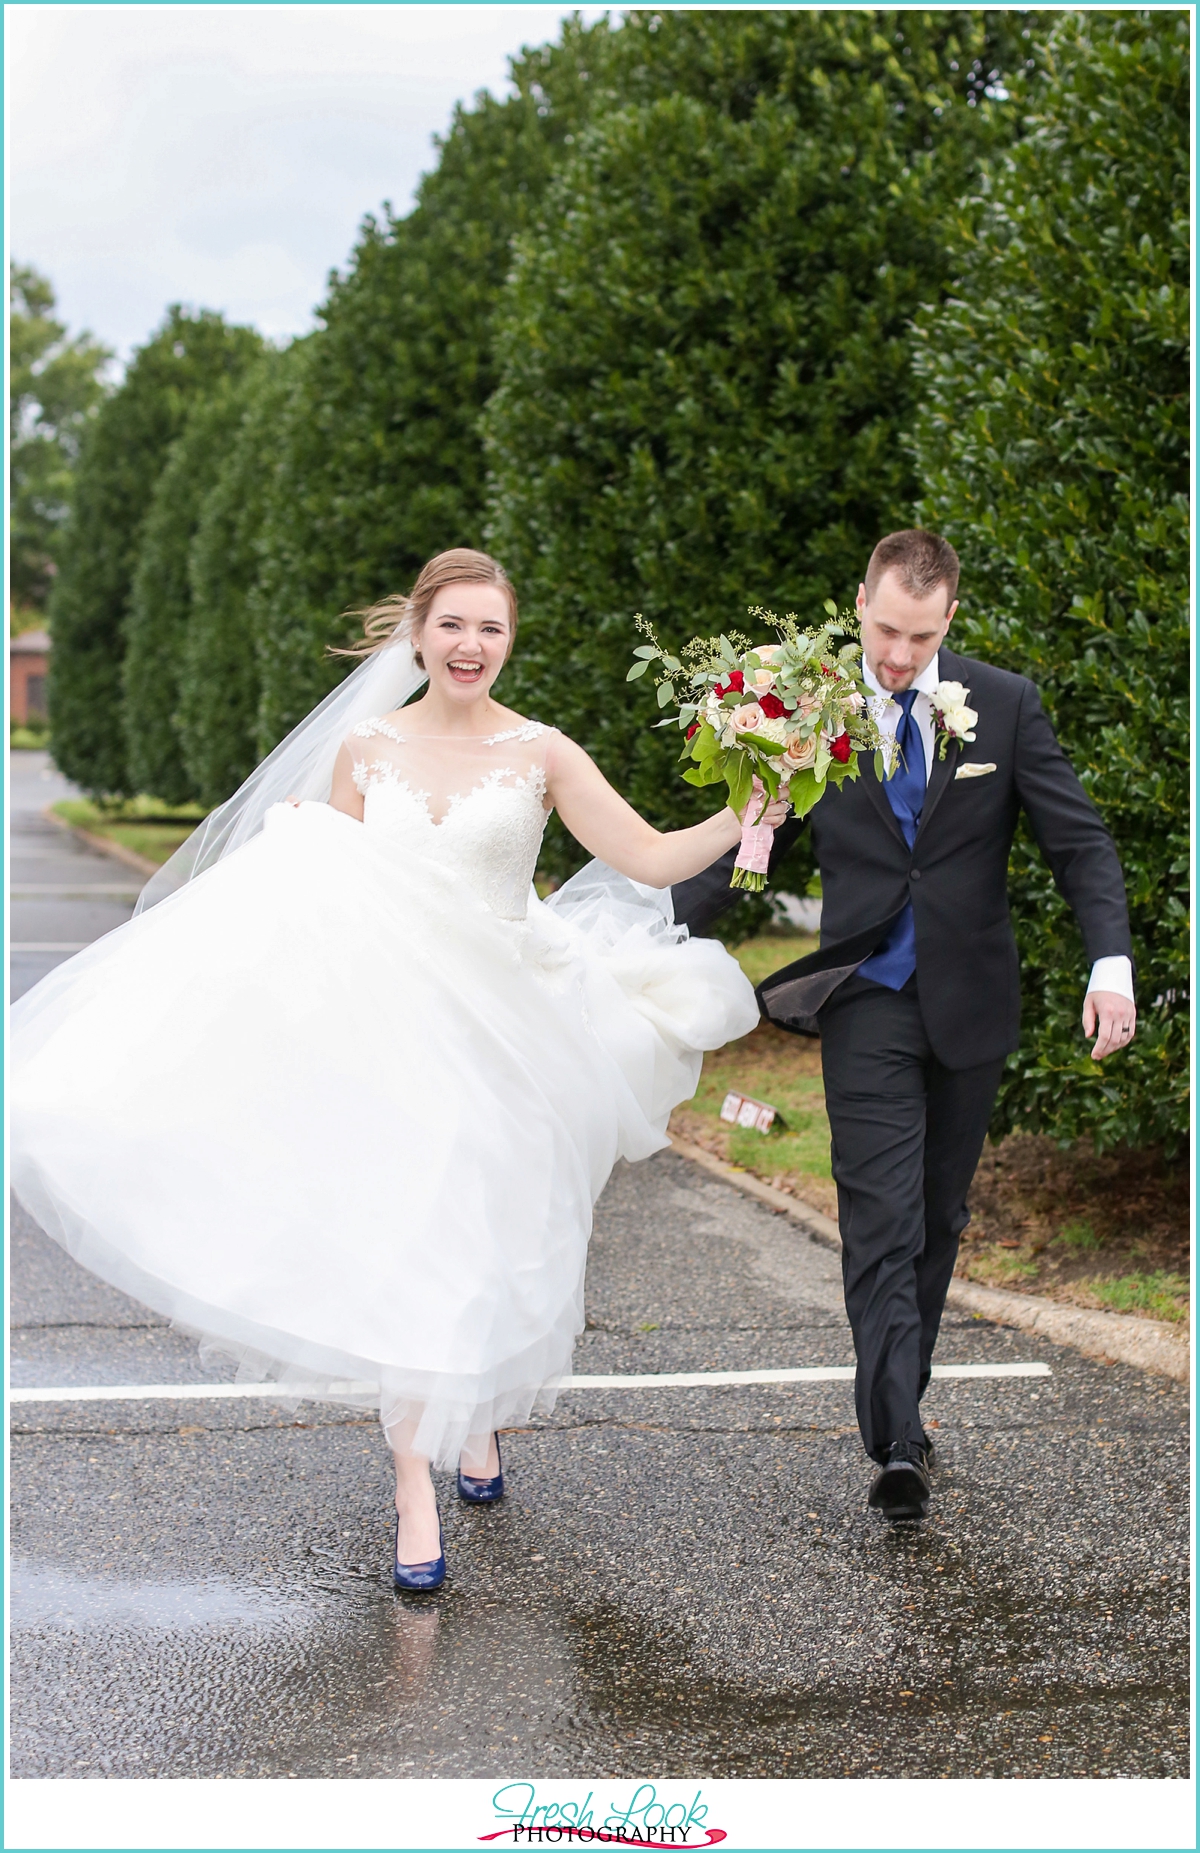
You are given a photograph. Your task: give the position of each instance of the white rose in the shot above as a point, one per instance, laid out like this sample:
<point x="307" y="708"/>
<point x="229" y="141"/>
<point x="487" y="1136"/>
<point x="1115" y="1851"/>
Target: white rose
<point x="950" y="701"/>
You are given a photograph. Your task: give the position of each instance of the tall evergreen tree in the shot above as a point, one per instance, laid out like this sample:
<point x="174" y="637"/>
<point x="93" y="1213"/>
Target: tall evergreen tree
<point x="381" y="462"/>
<point x="705" y="348"/>
<point x="56" y="384"/>
<point x="220" y="682"/>
<point x="1053" y="447"/>
<point x="123" y="453"/>
<point x="160" y="605"/>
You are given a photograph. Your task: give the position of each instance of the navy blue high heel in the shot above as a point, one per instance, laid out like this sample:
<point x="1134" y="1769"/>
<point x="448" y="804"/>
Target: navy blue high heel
<point x="482" y="1492"/>
<point x="419" y="1575"/>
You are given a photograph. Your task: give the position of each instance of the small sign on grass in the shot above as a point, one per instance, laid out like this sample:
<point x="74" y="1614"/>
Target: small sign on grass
<point x="758" y="1115"/>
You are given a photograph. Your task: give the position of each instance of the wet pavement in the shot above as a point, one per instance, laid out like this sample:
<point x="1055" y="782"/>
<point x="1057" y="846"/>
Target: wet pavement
<point x="62" y="894"/>
<point x="682" y="1581"/>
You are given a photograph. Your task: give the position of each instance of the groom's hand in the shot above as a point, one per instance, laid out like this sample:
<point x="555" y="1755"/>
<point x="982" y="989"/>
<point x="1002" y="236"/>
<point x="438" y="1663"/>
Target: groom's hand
<point x="1111" y="1018"/>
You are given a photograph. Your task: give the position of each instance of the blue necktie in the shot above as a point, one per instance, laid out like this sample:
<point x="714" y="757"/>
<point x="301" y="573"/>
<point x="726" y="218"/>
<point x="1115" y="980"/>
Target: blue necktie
<point x="896" y="961"/>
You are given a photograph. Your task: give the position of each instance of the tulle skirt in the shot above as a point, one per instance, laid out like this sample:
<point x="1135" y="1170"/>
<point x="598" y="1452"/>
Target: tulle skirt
<point x="326" y="1110"/>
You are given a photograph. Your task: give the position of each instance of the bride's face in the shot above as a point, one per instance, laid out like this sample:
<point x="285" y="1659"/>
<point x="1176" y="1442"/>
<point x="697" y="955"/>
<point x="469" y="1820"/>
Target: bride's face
<point x="464" y="640"/>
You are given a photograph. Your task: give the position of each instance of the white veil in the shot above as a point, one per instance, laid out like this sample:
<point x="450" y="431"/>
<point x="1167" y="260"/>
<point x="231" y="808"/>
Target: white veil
<point x="301" y="766"/>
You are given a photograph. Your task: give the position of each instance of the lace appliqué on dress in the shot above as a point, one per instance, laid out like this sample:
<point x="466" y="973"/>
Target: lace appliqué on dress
<point x="529" y="730"/>
<point x="366" y="730"/>
<point x="535" y="785"/>
<point x="368" y="772"/>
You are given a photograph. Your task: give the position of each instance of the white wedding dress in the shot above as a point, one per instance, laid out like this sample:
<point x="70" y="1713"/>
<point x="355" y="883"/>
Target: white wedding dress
<point x="343" y="1104"/>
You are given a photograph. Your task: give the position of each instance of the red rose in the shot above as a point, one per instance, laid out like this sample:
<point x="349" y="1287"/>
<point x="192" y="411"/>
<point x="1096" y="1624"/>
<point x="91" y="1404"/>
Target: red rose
<point x="840" y="748"/>
<point x="736" y="680"/>
<point x="771" y="706"/>
<point x="694" y="728"/>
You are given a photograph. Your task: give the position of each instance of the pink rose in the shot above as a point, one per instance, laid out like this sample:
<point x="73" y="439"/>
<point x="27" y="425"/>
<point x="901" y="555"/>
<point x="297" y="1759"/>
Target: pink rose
<point x="747" y="718"/>
<point x="798" y="753"/>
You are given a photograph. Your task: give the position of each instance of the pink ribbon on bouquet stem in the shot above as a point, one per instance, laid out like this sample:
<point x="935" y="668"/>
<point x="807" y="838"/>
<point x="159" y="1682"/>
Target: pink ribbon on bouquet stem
<point x="754" y="853"/>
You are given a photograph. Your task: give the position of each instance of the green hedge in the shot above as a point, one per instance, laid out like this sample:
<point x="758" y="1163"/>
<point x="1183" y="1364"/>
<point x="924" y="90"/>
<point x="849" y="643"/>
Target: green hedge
<point x="380" y="460"/>
<point x="705" y="349"/>
<point x="219" y="679"/>
<point x="123" y="452"/>
<point x="160" y="604"/>
<point x="1054" y="453"/>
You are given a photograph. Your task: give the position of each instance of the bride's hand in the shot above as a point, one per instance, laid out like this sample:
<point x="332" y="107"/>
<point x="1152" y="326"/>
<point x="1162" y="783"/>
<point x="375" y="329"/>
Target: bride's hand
<point x="775" y="813"/>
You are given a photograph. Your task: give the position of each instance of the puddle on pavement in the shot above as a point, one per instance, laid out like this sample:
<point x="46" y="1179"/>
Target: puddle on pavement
<point x="171" y="1680"/>
<point x="45" y="1599"/>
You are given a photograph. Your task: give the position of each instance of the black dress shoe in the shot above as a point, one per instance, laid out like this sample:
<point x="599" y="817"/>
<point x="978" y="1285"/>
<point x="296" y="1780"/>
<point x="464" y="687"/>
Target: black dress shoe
<point x="901" y="1488"/>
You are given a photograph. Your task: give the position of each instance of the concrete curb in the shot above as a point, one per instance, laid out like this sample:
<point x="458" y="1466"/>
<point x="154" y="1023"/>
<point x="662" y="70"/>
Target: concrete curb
<point x="104" y="844"/>
<point x="1121" y="1338"/>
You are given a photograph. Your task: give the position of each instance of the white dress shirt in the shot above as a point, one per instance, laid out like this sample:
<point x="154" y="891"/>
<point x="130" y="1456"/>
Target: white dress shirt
<point x="1111" y="974"/>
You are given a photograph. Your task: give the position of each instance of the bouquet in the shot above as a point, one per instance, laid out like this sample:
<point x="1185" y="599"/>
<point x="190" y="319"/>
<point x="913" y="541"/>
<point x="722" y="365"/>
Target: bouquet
<point x="792" y="715"/>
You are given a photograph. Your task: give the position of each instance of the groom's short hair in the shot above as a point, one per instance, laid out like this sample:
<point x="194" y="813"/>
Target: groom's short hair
<point x="922" y="561"/>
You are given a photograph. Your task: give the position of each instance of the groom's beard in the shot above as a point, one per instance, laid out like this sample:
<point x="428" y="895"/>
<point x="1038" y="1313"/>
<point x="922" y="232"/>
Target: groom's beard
<point x="894" y="683"/>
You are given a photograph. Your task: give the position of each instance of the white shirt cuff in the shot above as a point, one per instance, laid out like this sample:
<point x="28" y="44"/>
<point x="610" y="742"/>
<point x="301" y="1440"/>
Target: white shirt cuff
<point x="1115" y="974"/>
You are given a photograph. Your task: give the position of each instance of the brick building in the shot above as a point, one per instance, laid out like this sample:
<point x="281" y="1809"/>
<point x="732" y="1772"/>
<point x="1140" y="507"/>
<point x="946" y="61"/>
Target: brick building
<point x="29" y="658"/>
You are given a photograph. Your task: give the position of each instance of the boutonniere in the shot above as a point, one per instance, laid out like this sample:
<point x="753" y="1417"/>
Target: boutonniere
<point x="952" y="718"/>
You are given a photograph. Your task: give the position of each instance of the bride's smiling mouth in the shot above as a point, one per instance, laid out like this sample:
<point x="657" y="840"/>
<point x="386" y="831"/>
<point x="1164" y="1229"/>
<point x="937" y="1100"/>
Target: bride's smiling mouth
<point x="465" y="672"/>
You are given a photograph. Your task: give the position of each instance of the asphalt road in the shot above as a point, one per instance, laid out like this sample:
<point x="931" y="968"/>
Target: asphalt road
<point x="682" y="1582"/>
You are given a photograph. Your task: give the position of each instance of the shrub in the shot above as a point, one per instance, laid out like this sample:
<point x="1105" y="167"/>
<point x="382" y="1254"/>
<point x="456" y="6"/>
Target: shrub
<point x="1053" y="448"/>
<point x="123" y="451"/>
<point x="56" y="383"/>
<point x="160" y="605"/>
<point x="219" y="682"/>
<point x="381" y="463"/>
<point x="705" y="347"/>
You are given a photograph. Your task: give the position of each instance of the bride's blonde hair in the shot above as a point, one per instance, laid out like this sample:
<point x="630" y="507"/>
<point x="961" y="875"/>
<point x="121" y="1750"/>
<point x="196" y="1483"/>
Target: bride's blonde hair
<point x="406" y="612"/>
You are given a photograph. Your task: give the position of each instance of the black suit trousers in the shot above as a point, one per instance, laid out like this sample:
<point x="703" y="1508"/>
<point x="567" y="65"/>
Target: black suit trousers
<point x="907" y="1134"/>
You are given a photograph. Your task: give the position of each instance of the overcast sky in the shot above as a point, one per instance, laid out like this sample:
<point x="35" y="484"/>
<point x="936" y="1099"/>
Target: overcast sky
<point x="223" y="155"/>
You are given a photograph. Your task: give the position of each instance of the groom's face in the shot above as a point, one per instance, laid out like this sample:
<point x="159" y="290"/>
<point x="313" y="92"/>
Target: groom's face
<point x="900" y="633"/>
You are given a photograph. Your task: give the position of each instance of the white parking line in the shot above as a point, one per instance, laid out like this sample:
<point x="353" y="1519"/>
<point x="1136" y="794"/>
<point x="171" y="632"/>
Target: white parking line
<point x="680" y="1380"/>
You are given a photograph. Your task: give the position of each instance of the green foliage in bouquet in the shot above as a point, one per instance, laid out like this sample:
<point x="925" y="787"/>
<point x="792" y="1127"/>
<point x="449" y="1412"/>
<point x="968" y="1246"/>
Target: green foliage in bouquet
<point x="124" y="449"/>
<point x="704" y="352"/>
<point x="1054" y="453"/>
<point x="793" y="714"/>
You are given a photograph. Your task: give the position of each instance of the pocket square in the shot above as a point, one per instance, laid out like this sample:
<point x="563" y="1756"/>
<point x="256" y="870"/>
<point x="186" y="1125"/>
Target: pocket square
<point x="973" y="771"/>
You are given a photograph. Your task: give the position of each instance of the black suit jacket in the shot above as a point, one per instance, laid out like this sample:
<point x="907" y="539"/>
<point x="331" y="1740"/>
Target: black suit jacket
<point x="955" y="875"/>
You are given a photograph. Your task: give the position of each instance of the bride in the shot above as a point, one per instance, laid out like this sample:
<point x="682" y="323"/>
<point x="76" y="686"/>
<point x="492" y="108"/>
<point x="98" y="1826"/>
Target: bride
<point x="340" y="1098"/>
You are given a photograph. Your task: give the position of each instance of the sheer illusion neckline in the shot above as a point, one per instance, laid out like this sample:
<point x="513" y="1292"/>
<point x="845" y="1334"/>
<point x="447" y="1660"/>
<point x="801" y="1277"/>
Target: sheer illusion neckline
<point x="528" y="730"/>
<point x="533" y="787"/>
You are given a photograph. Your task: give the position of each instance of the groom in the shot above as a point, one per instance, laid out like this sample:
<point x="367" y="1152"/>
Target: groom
<point x="915" y="991"/>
